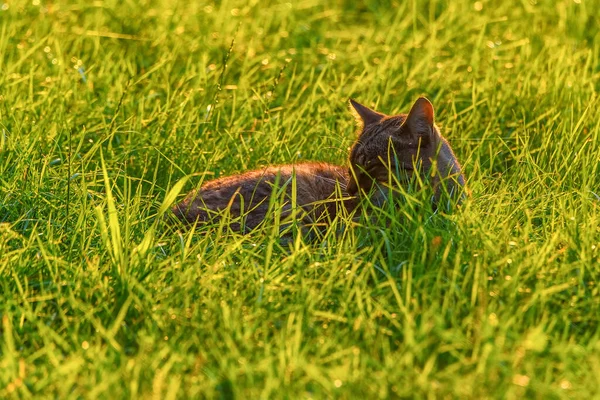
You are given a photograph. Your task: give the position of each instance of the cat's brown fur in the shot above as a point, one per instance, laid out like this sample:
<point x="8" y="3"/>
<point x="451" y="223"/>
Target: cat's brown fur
<point x="323" y="189"/>
<point x="403" y="143"/>
<point x="320" y="191"/>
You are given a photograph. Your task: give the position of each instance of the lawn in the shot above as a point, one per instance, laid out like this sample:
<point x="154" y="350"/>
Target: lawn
<point x="110" y="110"/>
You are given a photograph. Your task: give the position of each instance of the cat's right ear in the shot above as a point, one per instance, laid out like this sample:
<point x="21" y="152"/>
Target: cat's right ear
<point x="367" y="115"/>
<point x="420" y="118"/>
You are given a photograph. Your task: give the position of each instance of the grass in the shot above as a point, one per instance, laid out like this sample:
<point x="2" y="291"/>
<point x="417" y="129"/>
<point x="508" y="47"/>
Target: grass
<point x="106" y="106"/>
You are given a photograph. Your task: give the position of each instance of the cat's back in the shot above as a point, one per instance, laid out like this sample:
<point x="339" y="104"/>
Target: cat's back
<point x="311" y="173"/>
<point x="314" y="182"/>
<point x="320" y="180"/>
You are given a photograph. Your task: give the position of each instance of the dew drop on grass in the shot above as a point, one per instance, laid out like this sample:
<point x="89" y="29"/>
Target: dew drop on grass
<point x="565" y="384"/>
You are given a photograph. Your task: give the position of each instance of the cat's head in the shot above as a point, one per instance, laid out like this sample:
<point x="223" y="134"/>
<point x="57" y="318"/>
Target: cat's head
<point x="400" y="146"/>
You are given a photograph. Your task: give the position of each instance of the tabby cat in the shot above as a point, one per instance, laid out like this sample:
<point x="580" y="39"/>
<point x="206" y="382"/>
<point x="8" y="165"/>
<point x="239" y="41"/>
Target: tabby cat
<point x="398" y="144"/>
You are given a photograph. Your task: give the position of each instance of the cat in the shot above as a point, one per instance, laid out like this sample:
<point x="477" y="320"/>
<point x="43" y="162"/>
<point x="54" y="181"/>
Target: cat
<point x="320" y="192"/>
<point x="400" y="144"/>
<point x="385" y="144"/>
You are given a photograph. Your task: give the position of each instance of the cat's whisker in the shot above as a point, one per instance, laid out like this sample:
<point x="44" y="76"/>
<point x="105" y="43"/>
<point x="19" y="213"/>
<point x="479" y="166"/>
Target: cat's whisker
<point x="339" y="150"/>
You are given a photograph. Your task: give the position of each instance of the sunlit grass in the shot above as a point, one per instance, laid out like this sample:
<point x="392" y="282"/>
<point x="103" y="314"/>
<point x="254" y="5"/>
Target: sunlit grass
<point x="110" y="111"/>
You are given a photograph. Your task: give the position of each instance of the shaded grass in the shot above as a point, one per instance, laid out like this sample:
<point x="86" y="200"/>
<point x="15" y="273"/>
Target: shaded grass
<point x="104" y="107"/>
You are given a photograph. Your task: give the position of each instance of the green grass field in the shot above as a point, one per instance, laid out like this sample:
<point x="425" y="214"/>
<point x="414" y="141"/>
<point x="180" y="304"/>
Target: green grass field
<point x="105" y="106"/>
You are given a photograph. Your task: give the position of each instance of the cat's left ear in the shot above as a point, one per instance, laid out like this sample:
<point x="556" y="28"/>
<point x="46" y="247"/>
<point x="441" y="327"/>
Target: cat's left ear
<point x="420" y="119"/>
<point x="367" y="115"/>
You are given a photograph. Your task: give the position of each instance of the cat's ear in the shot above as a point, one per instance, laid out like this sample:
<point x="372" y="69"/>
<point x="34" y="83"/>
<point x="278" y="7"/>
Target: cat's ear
<point x="420" y="118"/>
<point x="367" y="115"/>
